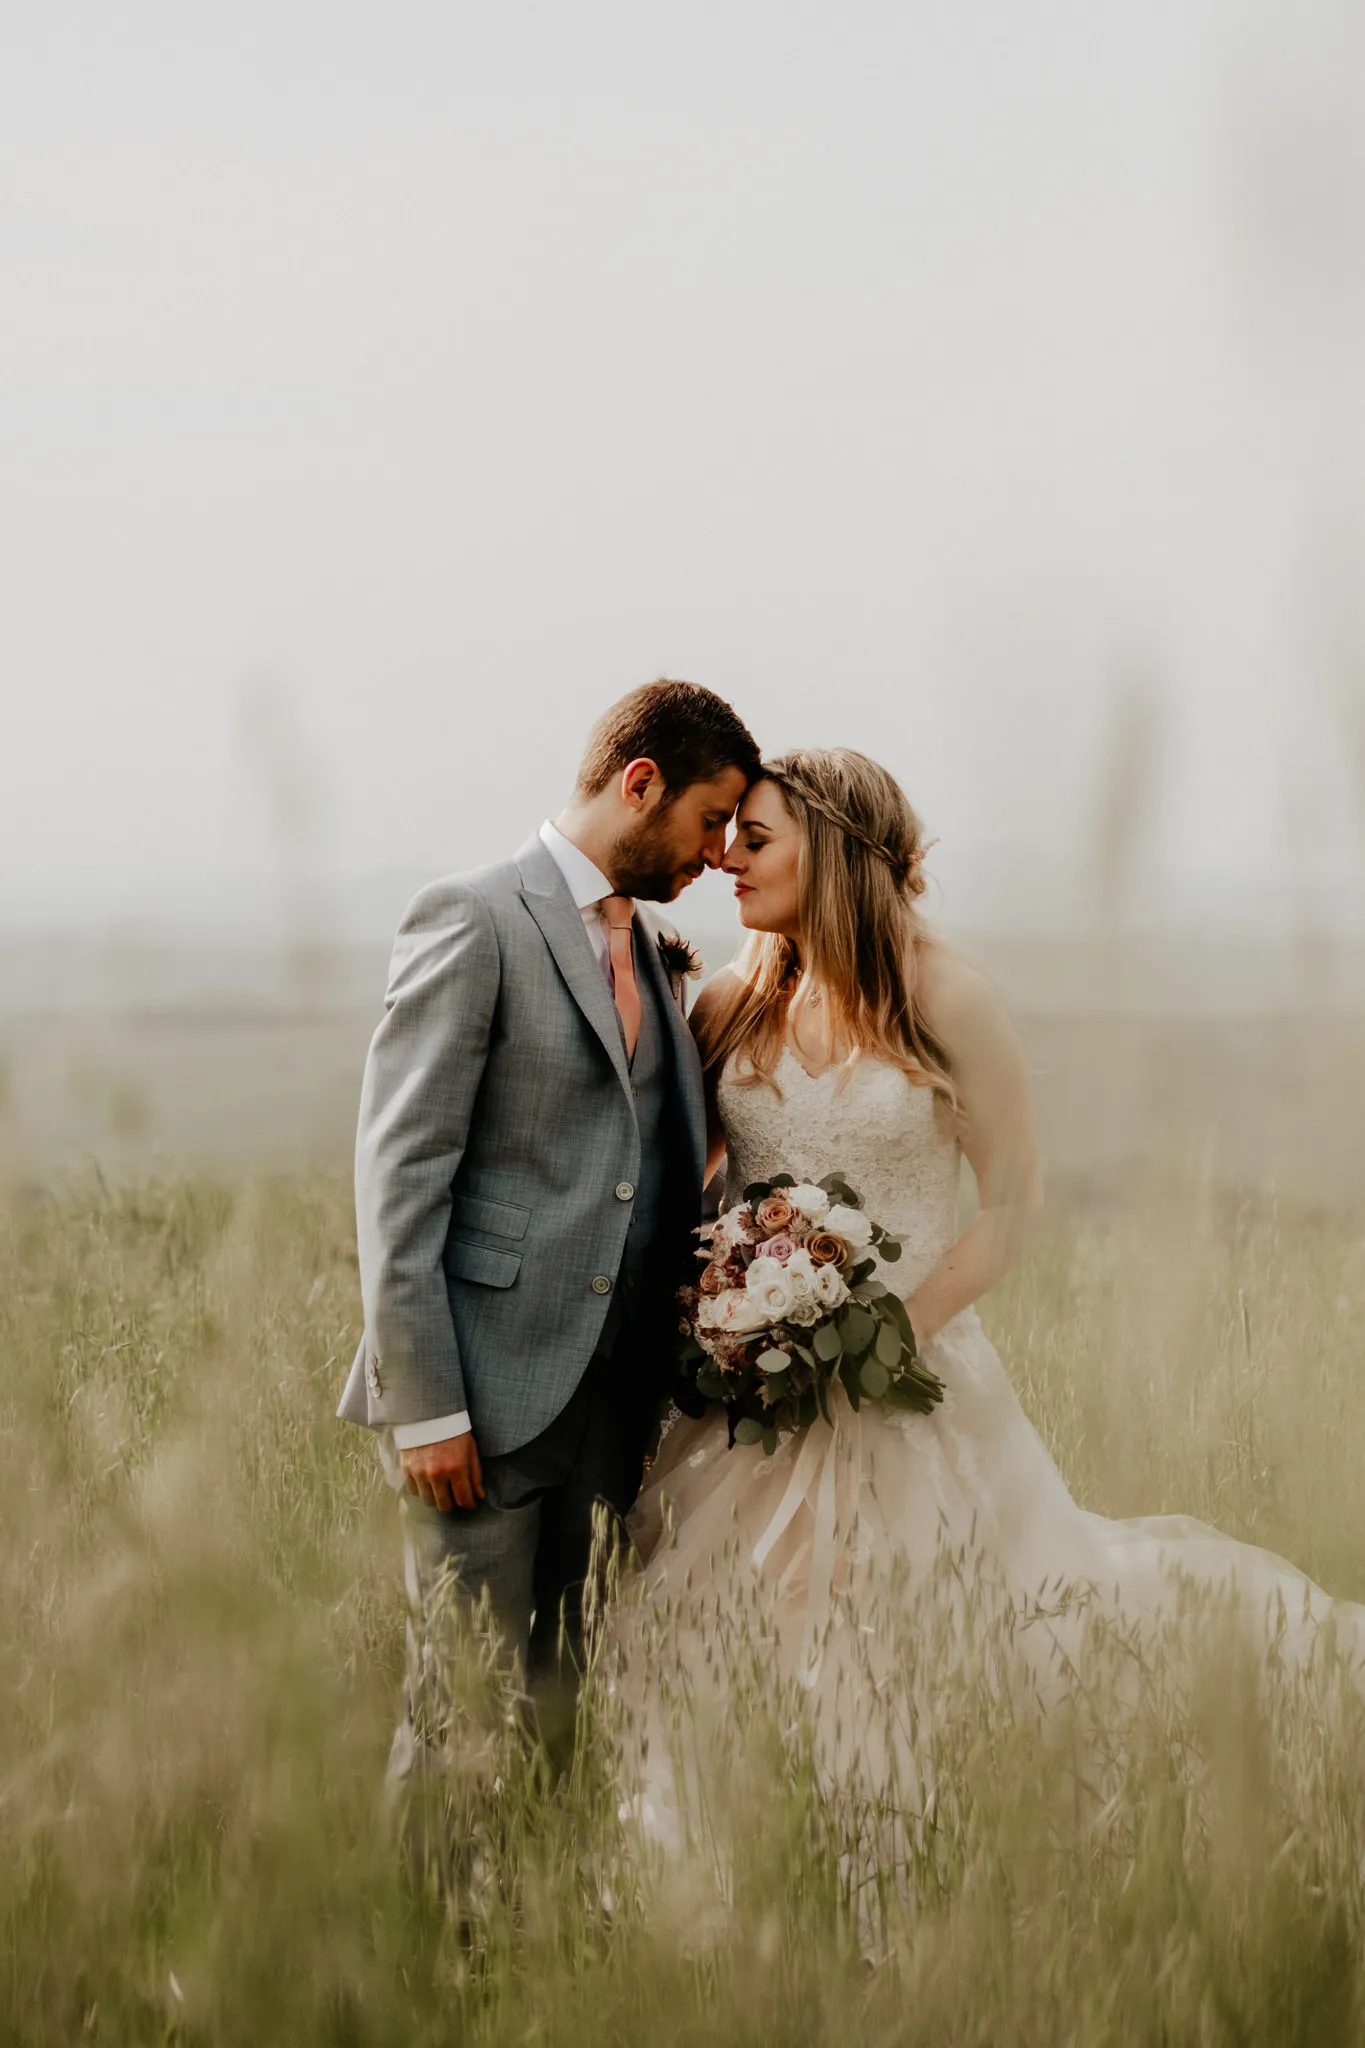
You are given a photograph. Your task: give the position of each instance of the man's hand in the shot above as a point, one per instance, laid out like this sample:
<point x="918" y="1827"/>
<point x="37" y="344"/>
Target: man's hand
<point x="445" y="1475"/>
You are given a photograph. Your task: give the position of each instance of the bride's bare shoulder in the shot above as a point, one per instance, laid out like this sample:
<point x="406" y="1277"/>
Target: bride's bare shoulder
<point x="958" y="999"/>
<point x="722" y="985"/>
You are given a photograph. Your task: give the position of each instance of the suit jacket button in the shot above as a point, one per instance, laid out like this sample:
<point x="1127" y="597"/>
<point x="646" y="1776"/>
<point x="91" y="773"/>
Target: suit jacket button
<point x="601" y="1284"/>
<point x="625" y="1191"/>
<point x="372" y="1379"/>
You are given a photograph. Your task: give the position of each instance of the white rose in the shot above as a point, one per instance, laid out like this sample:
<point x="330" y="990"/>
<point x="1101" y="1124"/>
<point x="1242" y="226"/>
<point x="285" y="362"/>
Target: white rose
<point x="851" y="1225"/>
<point x="770" y="1288"/>
<point x="828" y="1287"/>
<point x="811" y="1201"/>
<point x="734" y="1311"/>
<point x="805" y="1310"/>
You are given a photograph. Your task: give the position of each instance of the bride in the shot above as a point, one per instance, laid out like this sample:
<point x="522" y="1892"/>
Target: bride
<point x="847" y="1039"/>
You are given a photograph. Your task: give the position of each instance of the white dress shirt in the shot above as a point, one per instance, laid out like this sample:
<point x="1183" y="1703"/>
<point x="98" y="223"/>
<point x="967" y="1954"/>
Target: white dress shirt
<point x="587" y="885"/>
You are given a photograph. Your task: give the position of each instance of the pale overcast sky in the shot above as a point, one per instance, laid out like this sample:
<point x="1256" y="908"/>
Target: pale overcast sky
<point x="384" y="390"/>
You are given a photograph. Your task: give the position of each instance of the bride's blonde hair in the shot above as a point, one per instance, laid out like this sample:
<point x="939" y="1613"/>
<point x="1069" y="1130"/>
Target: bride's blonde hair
<point x="858" y="877"/>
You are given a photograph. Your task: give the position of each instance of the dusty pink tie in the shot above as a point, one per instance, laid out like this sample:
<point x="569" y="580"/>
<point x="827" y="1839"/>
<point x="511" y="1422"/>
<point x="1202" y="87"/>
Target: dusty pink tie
<point x="618" y="914"/>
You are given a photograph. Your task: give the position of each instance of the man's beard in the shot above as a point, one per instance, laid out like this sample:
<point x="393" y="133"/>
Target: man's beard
<point x="644" y="863"/>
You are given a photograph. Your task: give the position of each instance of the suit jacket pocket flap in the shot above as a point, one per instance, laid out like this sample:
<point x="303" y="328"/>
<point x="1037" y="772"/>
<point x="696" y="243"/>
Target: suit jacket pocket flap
<point x="479" y="1262"/>
<point x="489" y="1218"/>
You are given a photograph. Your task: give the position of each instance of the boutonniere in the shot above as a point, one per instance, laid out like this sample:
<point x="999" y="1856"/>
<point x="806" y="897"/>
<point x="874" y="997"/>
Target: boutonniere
<point x="681" y="961"/>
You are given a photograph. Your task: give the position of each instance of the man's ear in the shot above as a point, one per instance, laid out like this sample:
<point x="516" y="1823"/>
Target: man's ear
<point x="641" y="783"/>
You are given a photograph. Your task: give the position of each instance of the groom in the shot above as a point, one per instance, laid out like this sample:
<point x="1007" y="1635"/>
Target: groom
<point x="528" y="1166"/>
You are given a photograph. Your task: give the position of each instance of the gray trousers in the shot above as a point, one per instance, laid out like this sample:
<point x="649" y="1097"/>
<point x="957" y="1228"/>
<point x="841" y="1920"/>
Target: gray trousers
<point x="528" y="1543"/>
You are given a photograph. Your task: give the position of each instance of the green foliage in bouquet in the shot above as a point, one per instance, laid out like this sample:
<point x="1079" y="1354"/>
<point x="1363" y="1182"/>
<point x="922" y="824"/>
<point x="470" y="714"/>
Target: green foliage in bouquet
<point x="791" y="1307"/>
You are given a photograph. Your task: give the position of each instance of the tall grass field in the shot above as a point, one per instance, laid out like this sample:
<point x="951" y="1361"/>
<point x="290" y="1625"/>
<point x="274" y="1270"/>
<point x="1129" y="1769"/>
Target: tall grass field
<point x="203" y="1646"/>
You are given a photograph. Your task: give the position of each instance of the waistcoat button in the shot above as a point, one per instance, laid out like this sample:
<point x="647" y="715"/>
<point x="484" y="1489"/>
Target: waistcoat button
<point x="625" y="1191"/>
<point x="601" y="1284"/>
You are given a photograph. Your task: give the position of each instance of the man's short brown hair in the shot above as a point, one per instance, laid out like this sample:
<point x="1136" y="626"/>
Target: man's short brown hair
<point x="690" y="735"/>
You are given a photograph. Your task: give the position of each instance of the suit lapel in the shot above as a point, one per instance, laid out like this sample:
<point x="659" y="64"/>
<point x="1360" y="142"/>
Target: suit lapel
<point x="546" y="895"/>
<point x="687" y="1062"/>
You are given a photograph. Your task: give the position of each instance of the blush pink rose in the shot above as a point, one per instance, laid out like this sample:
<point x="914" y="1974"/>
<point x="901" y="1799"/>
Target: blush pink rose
<point x="779" y="1248"/>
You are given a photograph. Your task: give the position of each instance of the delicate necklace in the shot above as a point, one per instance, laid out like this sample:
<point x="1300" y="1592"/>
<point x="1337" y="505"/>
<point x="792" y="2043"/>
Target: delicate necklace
<point x="815" y="998"/>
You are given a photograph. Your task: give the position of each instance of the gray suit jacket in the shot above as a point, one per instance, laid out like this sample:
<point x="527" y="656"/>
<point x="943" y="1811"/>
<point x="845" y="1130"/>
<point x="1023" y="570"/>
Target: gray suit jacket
<point x="496" y="1157"/>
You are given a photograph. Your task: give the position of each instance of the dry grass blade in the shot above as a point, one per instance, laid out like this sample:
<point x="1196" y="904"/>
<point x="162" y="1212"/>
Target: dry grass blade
<point x="203" y="1629"/>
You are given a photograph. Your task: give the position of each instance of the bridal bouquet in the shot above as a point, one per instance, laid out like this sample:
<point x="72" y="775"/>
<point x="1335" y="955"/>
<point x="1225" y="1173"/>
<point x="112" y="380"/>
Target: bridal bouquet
<point x="789" y="1305"/>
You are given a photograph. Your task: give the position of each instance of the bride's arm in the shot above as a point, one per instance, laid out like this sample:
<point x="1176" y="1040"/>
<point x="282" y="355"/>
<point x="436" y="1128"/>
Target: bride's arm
<point x="998" y="1137"/>
<point x="715" y="988"/>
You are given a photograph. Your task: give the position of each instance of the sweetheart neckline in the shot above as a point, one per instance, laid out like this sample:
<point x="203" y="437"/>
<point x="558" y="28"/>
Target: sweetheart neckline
<point x="789" y="1052"/>
<point x="868" y="1060"/>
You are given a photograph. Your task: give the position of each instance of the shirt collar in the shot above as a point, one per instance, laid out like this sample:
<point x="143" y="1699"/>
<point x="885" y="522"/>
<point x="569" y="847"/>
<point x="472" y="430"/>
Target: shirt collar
<point x="587" y="883"/>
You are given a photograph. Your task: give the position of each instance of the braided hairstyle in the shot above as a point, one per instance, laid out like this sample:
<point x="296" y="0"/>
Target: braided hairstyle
<point x="858" y="877"/>
<point x="808" y="780"/>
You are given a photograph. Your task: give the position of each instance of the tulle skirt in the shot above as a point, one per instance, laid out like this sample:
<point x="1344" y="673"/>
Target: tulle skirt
<point x="874" y="1573"/>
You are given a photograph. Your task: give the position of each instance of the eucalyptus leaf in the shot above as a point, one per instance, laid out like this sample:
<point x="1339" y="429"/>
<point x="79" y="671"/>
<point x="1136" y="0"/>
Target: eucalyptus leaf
<point x="900" y="1315"/>
<point x="769" y="1442"/>
<point x="889" y="1344"/>
<point x="875" y="1379"/>
<point x="757" y="1189"/>
<point x="747" y="1431"/>
<point x="784" y="1180"/>
<point x="859" y="1327"/>
<point x="890" y="1250"/>
<point x="828" y="1343"/>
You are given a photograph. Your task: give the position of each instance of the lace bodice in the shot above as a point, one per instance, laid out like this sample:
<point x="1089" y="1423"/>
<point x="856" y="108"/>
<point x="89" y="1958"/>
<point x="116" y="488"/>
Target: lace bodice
<point x="894" y="1142"/>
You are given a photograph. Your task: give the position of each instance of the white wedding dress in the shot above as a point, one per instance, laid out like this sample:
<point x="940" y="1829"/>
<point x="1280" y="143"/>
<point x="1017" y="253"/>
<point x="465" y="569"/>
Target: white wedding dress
<point x="829" y="1544"/>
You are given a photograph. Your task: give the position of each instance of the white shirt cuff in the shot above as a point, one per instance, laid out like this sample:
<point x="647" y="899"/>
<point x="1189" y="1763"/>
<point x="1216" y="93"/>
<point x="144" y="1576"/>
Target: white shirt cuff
<point x="410" y="1436"/>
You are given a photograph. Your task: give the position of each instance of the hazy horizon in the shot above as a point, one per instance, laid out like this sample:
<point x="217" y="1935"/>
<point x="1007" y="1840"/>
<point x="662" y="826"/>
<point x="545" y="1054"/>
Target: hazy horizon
<point x="978" y="388"/>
